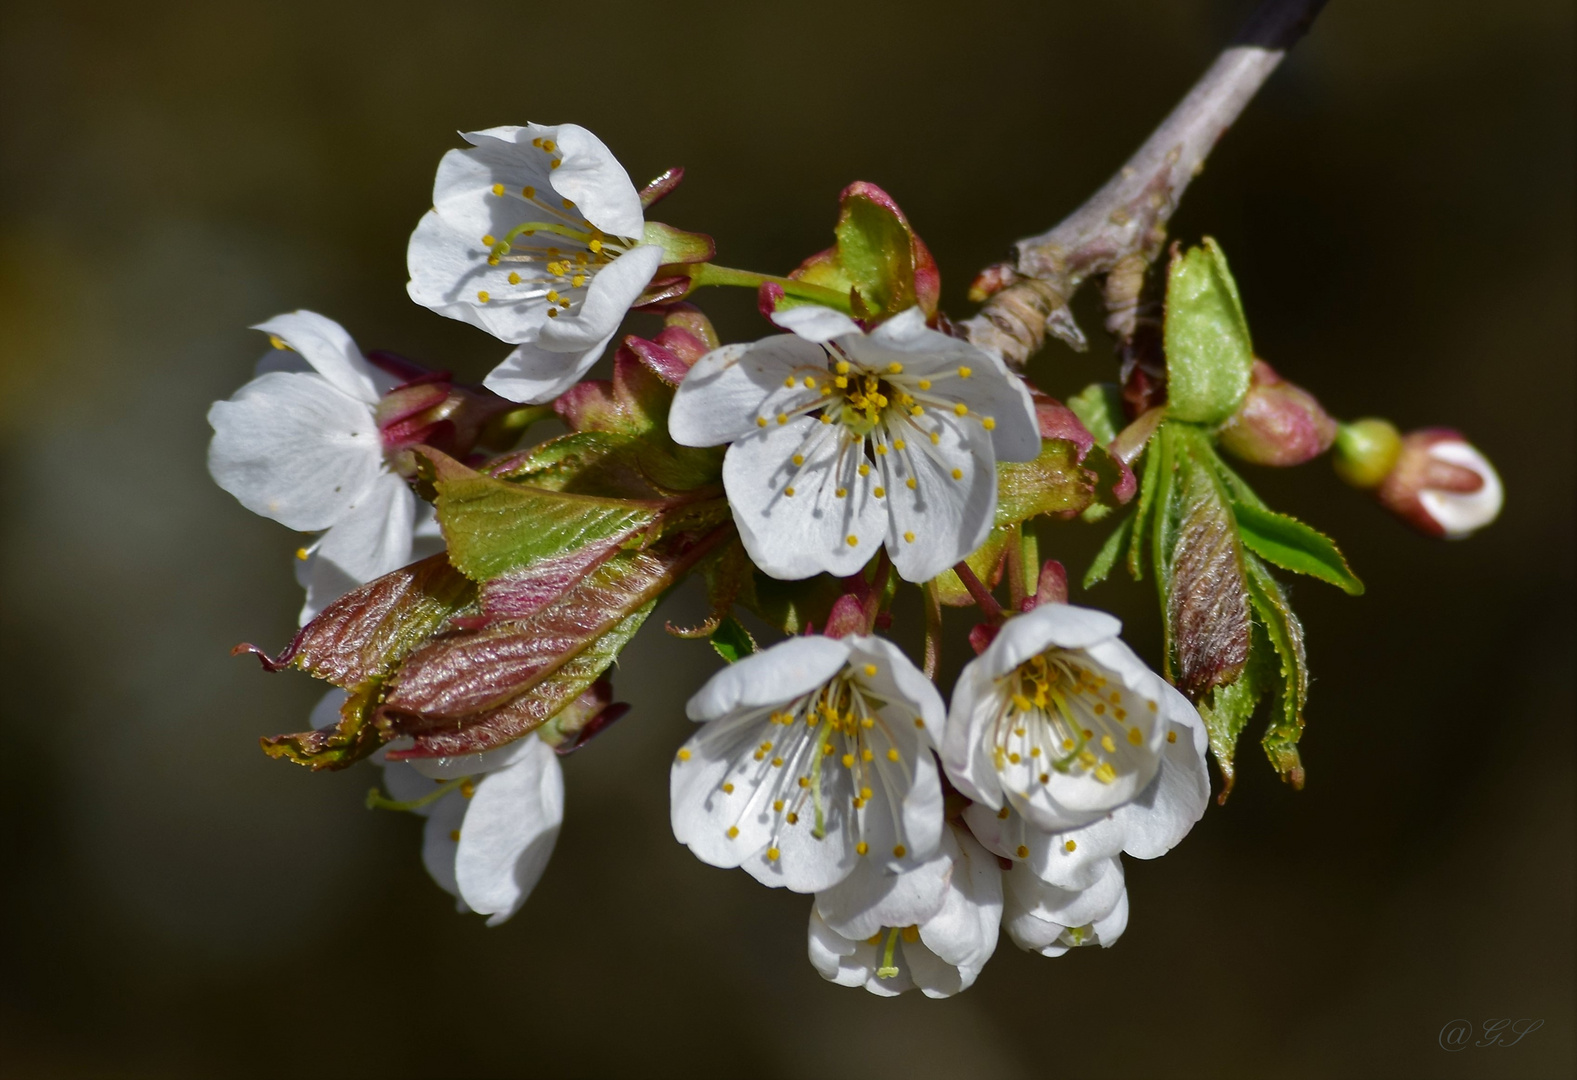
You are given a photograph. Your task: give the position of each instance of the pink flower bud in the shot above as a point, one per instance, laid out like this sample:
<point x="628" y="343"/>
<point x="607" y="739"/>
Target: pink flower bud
<point x="1441" y="485"/>
<point x="1278" y="423"/>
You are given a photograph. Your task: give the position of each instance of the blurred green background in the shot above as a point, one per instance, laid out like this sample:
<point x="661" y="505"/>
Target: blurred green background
<point x="1398" y="208"/>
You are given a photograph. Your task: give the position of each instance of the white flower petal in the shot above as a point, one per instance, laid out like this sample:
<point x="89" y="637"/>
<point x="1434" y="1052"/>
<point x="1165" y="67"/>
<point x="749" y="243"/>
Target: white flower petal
<point x="949" y="511"/>
<point x="797" y="536"/>
<point x="449" y="268"/>
<point x="828" y="951"/>
<point x="870" y="898"/>
<point x="1062" y="626"/>
<point x="1071" y="859"/>
<point x="445" y="818"/>
<point x="963" y="933"/>
<point x="591" y="177"/>
<point x="783" y="672"/>
<point x="728" y="388"/>
<point x="1162" y="815"/>
<point x="479" y="764"/>
<point x="294" y="448"/>
<point x="1461" y="513"/>
<point x="816" y="323"/>
<point x="509" y="831"/>
<point x="325" y="345"/>
<point x="374" y="536"/>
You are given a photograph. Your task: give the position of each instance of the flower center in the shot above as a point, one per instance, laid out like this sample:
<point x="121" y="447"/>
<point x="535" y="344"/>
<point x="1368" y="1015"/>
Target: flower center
<point x="1059" y="715"/>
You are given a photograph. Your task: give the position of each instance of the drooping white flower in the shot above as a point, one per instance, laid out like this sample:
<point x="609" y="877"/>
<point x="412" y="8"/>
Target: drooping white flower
<point x="933" y="926"/>
<point x="492" y="819"/>
<point x="1050" y="920"/>
<point x="534" y="236"/>
<point x="1120" y="765"/>
<point x="1442" y="485"/>
<point x="300" y="444"/>
<point x="812" y="756"/>
<point x="842" y="441"/>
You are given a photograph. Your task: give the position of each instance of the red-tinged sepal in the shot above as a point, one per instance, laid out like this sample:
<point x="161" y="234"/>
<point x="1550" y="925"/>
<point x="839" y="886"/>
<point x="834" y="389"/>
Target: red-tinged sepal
<point x="1278" y="423"/>
<point x="879" y="260"/>
<point x="661" y="187"/>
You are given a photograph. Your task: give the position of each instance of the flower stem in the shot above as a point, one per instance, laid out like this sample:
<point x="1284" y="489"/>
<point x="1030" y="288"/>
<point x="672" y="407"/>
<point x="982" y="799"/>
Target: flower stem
<point x="933" y="631"/>
<point x="1015" y="568"/>
<point x="983" y="598"/>
<point x="712" y="274"/>
<point x="376" y="800"/>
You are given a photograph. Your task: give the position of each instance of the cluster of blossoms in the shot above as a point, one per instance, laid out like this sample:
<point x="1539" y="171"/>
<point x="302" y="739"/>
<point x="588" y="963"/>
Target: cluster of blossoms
<point x="468" y="596"/>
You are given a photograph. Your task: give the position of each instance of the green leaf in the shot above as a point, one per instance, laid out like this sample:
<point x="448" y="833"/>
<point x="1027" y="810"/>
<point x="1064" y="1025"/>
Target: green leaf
<point x="731" y="640"/>
<point x="1110" y="552"/>
<point x="877" y="258"/>
<point x="1099" y="407"/>
<point x="1292" y="545"/>
<point x="342" y="744"/>
<point x="1231" y="706"/>
<point x="791" y="606"/>
<point x="1285" y="634"/>
<point x="1209" y="355"/>
<point x="493" y="526"/>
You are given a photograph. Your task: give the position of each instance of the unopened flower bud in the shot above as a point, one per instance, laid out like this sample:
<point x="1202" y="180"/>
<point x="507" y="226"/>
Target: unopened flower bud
<point x="1441" y="485"/>
<point x="1366" y="451"/>
<point x="1278" y="423"/>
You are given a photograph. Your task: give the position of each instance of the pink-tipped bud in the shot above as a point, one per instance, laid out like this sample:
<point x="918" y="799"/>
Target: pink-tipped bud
<point x="1278" y="423"/>
<point x="1441" y="485"/>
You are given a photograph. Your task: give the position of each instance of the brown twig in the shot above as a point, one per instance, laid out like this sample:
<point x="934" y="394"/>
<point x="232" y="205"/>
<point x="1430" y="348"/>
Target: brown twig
<point x="1122" y="227"/>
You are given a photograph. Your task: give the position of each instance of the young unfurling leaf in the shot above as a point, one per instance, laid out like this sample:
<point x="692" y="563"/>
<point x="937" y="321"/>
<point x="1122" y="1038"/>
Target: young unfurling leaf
<point x="1209" y="356"/>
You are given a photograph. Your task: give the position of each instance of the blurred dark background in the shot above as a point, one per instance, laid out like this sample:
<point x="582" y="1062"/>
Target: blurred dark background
<point x="1398" y="207"/>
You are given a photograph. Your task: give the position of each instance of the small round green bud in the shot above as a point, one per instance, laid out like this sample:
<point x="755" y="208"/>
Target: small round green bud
<point x="1365" y="451"/>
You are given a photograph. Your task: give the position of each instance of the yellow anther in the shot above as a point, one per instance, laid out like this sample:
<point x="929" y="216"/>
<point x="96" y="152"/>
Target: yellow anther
<point x="853" y="541"/>
<point x="553" y="296"/>
<point x="870" y="669"/>
<point x="925" y="384"/>
<point x="1023" y="852"/>
<point x="958" y="474"/>
<point x="892" y="753"/>
<point x="804" y="781"/>
<point x="792" y="818"/>
<point x="881" y="449"/>
<point x="1150" y="705"/>
<point x="964" y="373"/>
<point x="1035" y="752"/>
<point x="498" y="189"/>
<point x="1108" y="745"/>
<point x="798" y="459"/>
<point x="555" y="163"/>
<point x="782" y="419"/>
<point x="895" y="368"/>
<point x="1100" y="708"/>
<point x="911" y="483"/>
<point x="529" y="192"/>
<point x="915" y="410"/>
<point x="857" y="802"/>
<point x="840" y="492"/>
<point x="733" y="831"/>
<point x="960" y="409"/>
<point x="772" y="854"/>
<point x="899" y="444"/>
<point x="577" y="281"/>
<point x="988" y="423"/>
<point x="789" y="492"/>
<point x="728" y="789"/>
<point x="467" y="787"/>
<point x="1070" y="846"/>
<point x="824" y="418"/>
<point x="848" y="761"/>
<point x="595" y="245"/>
<point x="1014" y="758"/>
<point x="879" y="492"/>
<point x="789" y="382"/>
<point x="761" y="421"/>
<point x="866" y="755"/>
<point x="908" y="537"/>
<point x="1171" y="736"/>
<point x="777" y="805"/>
<point x="1106" y="774"/>
<point x="489" y="240"/>
<point x="1120" y="713"/>
<point x="684" y="755"/>
<point x="910" y="933"/>
<point x="1135" y="736"/>
<point x="865" y="793"/>
<point x="302" y="553"/>
<point x="514" y="278"/>
<point x="454" y="835"/>
<point x="862" y="847"/>
<point x="1045" y="778"/>
<point x="547" y="144"/>
<point x="865" y="470"/>
<point x="874" y="939"/>
<point x="900" y="851"/>
<point x="919" y="721"/>
<point x="936" y="438"/>
<point x="482" y="296"/>
<point x="842" y="367"/>
<point x="826" y="750"/>
<point x="568" y="205"/>
<point x="1021" y="703"/>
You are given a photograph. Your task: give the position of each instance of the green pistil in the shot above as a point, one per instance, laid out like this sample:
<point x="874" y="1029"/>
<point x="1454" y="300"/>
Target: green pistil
<point x="528" y="227"/>
<point x="889" y="970"/>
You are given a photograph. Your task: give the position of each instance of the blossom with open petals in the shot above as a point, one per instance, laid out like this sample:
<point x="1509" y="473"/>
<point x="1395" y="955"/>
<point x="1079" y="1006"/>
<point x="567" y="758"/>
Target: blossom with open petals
<point x="1072" y="750"/>
<point x="812" y="756"/>
<point x="300" y="444"/>
<point x="534" y="236"/>
<point x="492" y="820"/>
<point x="933" y="926"/>
<point x="842" y="441"/>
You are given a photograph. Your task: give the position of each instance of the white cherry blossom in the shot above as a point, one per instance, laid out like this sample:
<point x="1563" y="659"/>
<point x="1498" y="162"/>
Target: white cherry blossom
<point x="1057" y="718"/>
<point x="932" y="927"/>
<point x="841" y="441"/>
<point x="534" y="236"/>
<point x="1050" y="920"/>
<point x="300" y="444"/>
<point x="813" y="756"/>
<point x="492" y="820"/>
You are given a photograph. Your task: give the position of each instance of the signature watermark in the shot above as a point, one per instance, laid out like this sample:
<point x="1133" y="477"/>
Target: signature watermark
<point x="1458" y="1035"/>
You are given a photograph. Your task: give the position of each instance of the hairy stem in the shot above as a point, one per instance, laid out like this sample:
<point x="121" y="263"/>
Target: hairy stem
<point x="1122" y="227"/>
<point x="932" y="662"/>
